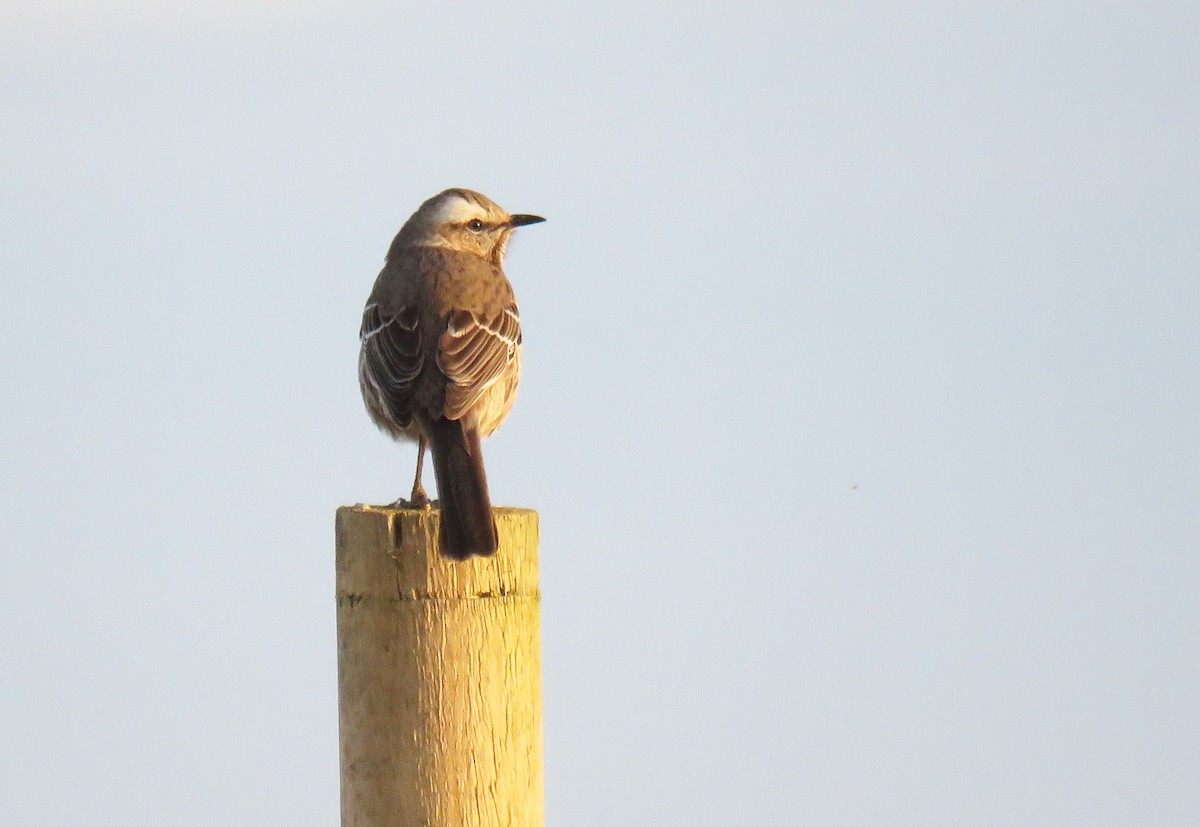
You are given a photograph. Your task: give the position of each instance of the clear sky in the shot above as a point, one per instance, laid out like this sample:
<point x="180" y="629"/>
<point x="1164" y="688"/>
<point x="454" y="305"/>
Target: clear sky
<point x="861" y="399"/>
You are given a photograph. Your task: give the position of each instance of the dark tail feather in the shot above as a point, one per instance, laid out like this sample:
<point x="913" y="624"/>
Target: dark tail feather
<point x="467" y="524"/>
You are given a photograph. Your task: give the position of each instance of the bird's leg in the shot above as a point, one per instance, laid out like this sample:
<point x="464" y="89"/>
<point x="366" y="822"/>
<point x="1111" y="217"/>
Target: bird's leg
<point x="418" y="499"/>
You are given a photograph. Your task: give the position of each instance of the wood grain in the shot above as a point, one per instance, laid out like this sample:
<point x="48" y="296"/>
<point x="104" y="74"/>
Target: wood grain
<point x="439" y="674"/>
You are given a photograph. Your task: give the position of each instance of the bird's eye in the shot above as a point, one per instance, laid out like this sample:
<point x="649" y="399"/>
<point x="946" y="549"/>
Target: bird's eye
<point x="474" y="225"/>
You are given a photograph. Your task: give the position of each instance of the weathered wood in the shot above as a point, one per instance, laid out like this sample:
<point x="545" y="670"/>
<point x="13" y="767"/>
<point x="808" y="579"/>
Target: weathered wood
<point x="439" y="674"/>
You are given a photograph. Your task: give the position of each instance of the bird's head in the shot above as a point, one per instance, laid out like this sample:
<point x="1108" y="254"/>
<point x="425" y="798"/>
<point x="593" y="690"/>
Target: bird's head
<point x="463" y="220"/>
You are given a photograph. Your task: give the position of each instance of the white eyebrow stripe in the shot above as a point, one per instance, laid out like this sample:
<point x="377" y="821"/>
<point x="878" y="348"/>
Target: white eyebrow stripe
<point x="458" y="210"/>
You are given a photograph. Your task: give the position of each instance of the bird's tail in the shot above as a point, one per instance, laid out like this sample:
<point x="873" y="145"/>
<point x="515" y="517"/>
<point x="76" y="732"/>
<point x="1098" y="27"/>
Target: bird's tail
<point x="467" y="524"/>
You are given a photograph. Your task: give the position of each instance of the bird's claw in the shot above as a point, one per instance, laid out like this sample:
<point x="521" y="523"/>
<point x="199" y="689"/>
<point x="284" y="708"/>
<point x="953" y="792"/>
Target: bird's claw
<point x="421" y="503"/>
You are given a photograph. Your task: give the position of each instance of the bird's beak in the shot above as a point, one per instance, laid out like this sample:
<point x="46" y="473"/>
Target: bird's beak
<point x="524" y="220"/>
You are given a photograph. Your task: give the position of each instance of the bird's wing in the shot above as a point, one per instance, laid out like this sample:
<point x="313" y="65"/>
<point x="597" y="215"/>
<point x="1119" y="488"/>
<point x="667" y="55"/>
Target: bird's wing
<point x="474" y="351"/>
<point x="392" y="357"/>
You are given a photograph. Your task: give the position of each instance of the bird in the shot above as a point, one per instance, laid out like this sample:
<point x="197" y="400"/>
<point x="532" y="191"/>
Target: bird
<point x="440" y="354"/>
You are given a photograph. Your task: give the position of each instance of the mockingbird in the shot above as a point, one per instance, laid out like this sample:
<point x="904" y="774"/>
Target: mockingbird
<point x="441" y="353"/>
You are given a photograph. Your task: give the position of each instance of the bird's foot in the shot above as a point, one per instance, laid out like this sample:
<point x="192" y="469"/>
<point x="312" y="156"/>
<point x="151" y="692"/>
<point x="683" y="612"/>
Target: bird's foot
<point x="418" y="500"/>
<point x="418" y="504"/>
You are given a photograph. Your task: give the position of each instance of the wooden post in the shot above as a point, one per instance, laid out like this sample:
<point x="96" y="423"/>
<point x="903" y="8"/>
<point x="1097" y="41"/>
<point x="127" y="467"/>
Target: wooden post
<point x="439" y="674"/>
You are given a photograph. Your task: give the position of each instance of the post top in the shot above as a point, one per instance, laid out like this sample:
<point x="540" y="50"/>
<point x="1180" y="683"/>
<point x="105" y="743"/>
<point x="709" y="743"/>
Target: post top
<point x="368" y="534"/>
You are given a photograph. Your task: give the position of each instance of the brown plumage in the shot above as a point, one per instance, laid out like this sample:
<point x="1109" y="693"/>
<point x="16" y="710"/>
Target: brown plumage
<point x="441" y="353"/>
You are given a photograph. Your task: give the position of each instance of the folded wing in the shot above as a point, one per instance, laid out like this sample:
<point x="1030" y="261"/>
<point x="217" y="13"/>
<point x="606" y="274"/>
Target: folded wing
<point x="391" y="359"/>
<point x="473" y="353"/>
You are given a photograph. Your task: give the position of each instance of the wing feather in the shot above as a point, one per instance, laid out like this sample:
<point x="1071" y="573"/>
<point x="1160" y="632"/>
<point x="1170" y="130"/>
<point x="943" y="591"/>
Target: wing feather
<point x="391" y="359"/>
<point x="474" y="352"/>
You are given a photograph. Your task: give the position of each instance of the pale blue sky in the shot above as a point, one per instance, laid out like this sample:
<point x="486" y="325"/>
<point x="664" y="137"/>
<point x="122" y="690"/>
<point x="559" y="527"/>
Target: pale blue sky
<point x="861" y="402"/>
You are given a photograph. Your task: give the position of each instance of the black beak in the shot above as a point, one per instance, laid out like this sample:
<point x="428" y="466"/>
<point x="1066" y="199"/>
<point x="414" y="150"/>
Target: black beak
<point x="524" y="220"/>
